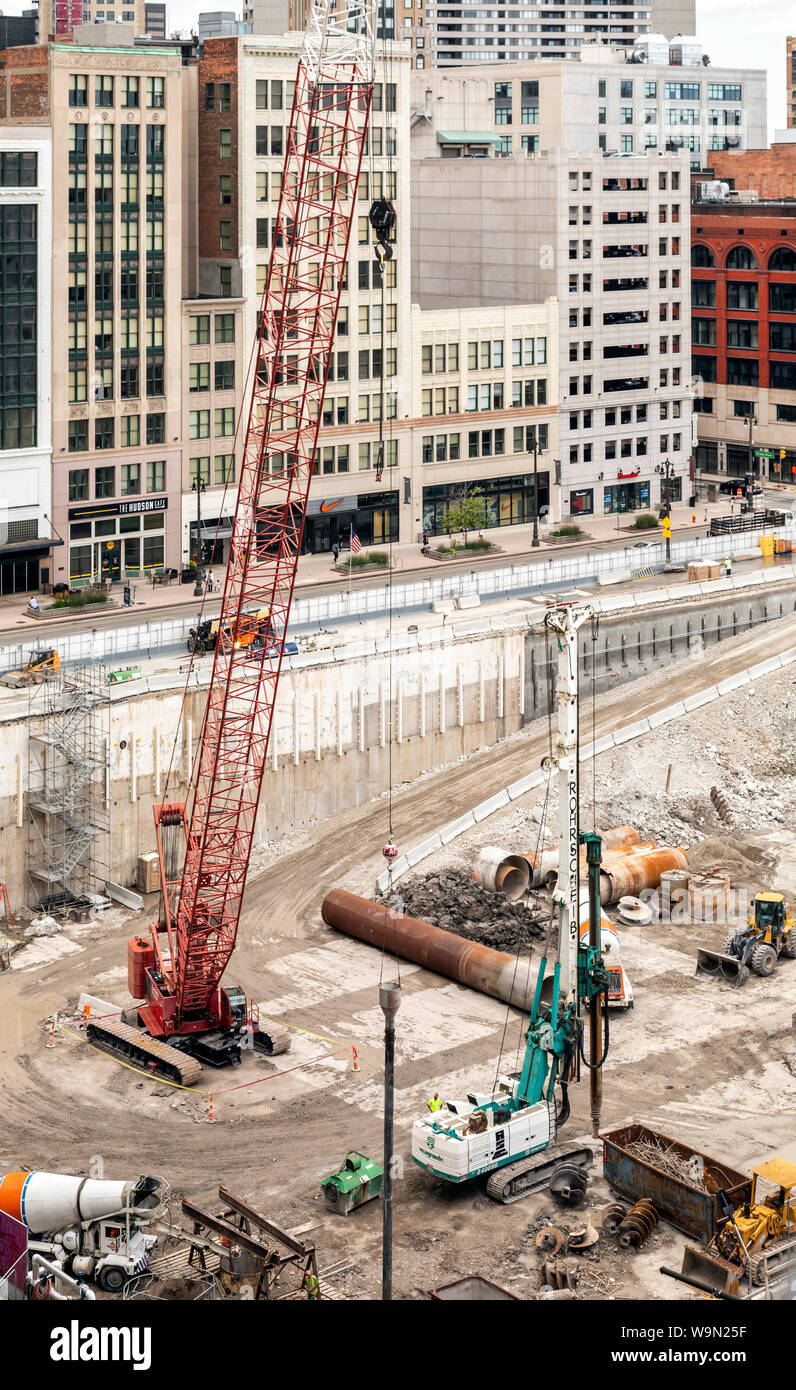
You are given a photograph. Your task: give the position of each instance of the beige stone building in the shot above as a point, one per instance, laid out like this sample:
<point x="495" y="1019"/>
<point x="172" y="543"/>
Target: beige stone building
<point x="116" y="121"/>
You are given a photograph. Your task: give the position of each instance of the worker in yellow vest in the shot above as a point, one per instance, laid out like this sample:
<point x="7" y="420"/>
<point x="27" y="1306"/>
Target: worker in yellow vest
<point x="311" y="1285"/>
<point x="435" y="1103"/>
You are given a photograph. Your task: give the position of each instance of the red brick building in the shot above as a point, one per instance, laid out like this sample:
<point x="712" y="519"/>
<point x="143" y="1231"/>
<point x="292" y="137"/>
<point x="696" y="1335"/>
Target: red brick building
<point x="743" y="295"/>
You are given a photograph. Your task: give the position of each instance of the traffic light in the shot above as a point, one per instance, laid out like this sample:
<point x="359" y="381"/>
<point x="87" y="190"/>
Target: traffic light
<point x="782" y="454"/>
<point x="666" y="527"/>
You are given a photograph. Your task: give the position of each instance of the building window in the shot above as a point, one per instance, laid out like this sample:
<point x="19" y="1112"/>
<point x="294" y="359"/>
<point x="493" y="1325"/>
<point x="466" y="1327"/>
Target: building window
<point x="210" y="96"/>
<point x="78" y="89"/>
<point x="199" y="470"/>
<point x="103" y="91"/>
<point x="225" y="328"/>
<point x="199" y="424"/>
<point x="224" y="189"/>
<point x="223" y="469"/>
<point x="131" y="479"/>
<point x="225" y="376"/>
<point x="129" y="91"/>
<point x="199" y="376"/>
<point x="224" y="144"/>
<point x="155" y="92"/>
<point x="78" y="485"/>
<point x="199" y="329"/>
<point x="156" y="428"/>
<point x="105" y="482"/>
<point x="224" y="422"/>
<point x="156" y="476"/>
<point x="224" y="97"/>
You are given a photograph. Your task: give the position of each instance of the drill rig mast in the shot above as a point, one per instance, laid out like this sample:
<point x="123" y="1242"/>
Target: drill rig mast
<point x="511" y="1132"/>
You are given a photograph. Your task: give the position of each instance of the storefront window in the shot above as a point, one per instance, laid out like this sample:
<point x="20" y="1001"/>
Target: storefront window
<point x="507" y="501"/>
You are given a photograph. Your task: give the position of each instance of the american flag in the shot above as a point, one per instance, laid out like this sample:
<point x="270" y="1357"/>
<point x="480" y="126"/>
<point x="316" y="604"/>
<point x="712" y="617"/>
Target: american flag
<point x="356" y="544"/>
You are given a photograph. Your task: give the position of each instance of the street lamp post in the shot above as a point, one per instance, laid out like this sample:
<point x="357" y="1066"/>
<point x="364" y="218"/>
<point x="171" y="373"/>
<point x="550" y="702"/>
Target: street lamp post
<point x="535" y="447"/>
<point x="665" y="471"/>
<point x="198" y="487"/>
<point x="749" y="501"/>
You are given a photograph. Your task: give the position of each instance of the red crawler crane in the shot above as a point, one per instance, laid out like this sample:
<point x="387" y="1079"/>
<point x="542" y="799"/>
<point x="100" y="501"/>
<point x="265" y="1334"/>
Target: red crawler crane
<point x="179" y="971"/>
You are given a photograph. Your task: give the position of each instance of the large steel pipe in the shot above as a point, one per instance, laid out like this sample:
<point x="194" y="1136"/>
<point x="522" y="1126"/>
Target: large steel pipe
<point x="468" y="962"/>
<point x="636" y="871"/>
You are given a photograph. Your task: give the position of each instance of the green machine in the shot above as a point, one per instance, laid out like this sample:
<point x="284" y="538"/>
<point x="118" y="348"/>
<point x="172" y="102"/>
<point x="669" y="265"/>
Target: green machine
<point x="357" y="1180"/>
<point x="124" y="673"/>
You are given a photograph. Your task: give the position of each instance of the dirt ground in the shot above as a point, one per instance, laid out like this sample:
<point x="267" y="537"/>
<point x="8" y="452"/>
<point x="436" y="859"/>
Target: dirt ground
<point x="693" y="1059"/>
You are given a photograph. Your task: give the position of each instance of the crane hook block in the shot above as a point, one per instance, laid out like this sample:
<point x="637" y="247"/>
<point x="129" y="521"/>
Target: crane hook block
<point x="382" y="219"/>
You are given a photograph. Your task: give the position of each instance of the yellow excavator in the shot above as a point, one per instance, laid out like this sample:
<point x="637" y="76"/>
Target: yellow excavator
<point x="757" y="1240"/>
<point x="39" y="666"/>
<point x="769" y="933"/>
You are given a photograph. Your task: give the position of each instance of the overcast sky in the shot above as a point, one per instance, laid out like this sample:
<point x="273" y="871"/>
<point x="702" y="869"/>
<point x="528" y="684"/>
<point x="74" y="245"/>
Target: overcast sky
<point x="723" y="26"/>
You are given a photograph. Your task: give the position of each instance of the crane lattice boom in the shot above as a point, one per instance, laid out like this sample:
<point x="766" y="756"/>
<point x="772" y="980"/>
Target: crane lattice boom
<point x="325" y="142"/>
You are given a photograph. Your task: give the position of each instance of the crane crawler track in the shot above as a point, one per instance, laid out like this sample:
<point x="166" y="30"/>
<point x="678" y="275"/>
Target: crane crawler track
<point x="272" y="1039"/>
<point x="135" y="1046"/>
<point x="517" y="1180"/>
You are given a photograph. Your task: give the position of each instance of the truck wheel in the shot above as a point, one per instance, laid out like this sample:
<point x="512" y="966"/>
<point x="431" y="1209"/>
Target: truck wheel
<point x="112" y="1279"/>
<point x="789" y="945"/>
<point x="763" y="960"/>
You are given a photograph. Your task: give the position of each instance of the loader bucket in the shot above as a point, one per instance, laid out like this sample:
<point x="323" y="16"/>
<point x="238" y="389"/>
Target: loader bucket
<point x="721" y="1274"/>
<point x="721" y="967"/>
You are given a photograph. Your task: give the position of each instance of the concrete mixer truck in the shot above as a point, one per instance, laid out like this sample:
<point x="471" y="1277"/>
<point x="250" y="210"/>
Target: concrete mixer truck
<point x="94" y="1228"/>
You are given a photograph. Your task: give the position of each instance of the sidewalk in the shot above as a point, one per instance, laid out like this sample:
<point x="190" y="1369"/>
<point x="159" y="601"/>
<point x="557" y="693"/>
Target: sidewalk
<point x="313" y="570"/>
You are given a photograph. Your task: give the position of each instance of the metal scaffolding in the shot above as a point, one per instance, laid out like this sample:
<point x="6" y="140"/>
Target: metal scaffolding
<point x="68" y="801"/>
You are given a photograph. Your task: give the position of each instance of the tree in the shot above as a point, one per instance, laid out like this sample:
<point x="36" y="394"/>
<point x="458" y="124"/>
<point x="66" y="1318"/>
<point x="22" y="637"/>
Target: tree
<point x="468" y="514"/>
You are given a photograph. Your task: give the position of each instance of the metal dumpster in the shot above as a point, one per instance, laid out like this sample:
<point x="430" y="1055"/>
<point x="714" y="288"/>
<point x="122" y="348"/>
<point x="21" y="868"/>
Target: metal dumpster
<point x="692" y="1210"/>
<point x="473" y="1288"/>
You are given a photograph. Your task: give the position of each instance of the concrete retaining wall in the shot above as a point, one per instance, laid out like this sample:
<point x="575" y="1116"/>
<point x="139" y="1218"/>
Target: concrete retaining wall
<point x="454" y="690"/>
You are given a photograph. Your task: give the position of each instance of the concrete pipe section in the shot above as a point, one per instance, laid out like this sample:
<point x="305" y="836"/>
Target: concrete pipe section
<point x="467" y="962"/>
<point x="500" y="872"/>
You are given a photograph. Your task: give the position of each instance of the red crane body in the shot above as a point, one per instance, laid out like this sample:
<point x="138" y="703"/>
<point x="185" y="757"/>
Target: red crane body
<point x="193" y="941"/>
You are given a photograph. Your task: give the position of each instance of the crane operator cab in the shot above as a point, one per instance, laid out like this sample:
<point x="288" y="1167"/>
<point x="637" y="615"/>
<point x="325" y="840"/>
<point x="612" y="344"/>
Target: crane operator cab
<point x="233" y="1007"/>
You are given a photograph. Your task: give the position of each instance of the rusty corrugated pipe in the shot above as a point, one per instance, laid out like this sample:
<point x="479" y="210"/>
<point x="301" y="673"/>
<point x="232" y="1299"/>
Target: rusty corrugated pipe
<point x="628" y="876"/>
<point x="468" y="962"/>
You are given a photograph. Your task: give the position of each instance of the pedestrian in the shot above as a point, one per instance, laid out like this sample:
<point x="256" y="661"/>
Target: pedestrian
<point x="728" y="568"/>
<point x="435" y="1103"/>
<point x="209" y="582"/>
<point x="33" y="604"/>
<point x="311" y="1286"/>
<point x="425" y="539"/>
<point x="336" y="552"/>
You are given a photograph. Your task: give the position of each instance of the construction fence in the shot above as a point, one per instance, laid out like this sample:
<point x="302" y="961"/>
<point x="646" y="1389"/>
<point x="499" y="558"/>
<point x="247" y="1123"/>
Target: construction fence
<point x="551" y="573"/>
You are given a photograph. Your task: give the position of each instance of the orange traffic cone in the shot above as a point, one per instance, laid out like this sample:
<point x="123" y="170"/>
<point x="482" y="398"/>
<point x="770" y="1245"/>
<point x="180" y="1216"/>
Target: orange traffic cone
<point x="356" y="1058"/>
<point x="210" y="1116"/>
<point x="51" y="1038"/>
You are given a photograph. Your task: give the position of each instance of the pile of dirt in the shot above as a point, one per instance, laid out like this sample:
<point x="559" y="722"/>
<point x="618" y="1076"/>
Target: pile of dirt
<point x="741" y="860"/>
<point x="454" y="901"/>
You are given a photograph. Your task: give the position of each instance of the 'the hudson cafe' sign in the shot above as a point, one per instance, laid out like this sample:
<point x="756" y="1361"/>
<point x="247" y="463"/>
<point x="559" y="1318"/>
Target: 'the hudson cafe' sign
<point x="109" y="509"/>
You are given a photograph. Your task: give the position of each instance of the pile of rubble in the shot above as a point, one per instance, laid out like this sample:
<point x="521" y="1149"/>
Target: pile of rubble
<point x="454" y="901"/>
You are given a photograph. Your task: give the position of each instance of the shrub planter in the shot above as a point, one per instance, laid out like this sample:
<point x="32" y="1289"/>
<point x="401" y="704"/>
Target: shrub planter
<point x="466" y="552"/>
<point x="552" y="539"/>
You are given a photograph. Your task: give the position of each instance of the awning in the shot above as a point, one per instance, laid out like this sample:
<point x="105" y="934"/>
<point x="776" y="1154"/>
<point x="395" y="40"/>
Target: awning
<point x="467" y="137"/>
<point x="39" y="546"/>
